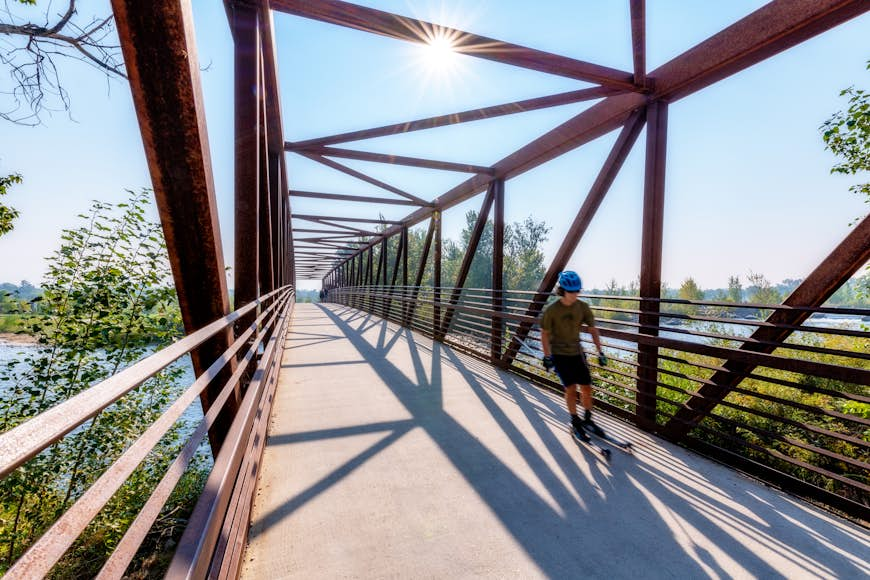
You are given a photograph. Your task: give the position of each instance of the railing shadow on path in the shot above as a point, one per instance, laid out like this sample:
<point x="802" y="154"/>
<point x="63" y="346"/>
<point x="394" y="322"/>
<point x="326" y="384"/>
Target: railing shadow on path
<point x="640" y="509"/>
<point x="702" y="507"/>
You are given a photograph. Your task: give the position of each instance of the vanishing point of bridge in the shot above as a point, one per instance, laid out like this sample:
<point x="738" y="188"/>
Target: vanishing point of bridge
<point x="402" y="427"/>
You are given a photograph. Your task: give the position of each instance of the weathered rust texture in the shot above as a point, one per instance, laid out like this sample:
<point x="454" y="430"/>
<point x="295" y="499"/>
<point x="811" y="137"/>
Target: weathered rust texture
<point x="160" y="57"/>
<point x="651" y="260"/>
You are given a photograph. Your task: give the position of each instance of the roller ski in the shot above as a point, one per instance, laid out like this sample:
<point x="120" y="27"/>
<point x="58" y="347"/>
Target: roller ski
<point x="581" y="436"/>
<point x="590" y="428"/>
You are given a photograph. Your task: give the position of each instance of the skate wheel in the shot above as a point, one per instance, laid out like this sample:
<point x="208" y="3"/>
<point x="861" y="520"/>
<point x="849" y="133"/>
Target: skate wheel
<point x="606" y="454"/>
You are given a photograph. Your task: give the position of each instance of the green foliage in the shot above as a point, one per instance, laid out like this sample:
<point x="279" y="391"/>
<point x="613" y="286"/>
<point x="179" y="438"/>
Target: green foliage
<point x="7" y="214"/>
<point x="108" y="302"/>
<point x="523" y="257"/>
<point x="689" y="290"/>
<point x="847" y="135"/>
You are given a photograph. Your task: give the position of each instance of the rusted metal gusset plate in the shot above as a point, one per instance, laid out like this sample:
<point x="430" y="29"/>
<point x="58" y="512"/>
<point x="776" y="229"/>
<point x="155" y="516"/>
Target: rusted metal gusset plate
<point x="462" y="117"/>
<point x="413" y="30"/>
<point x="846" y="259"/>
<point x="160" y="56"/>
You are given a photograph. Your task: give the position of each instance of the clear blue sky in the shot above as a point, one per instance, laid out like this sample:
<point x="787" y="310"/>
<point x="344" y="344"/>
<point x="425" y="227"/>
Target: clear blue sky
<point x="748" y="187"/>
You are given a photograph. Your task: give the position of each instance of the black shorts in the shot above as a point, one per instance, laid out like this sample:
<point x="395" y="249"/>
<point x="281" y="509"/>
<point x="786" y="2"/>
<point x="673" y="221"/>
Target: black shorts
<point x="572" y="369"/>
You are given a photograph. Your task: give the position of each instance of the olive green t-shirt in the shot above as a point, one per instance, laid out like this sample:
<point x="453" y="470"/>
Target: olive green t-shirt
<point x="563" y="323"/>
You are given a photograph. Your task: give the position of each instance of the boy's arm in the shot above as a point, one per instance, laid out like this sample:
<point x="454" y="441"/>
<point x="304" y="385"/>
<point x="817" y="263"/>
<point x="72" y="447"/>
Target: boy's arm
<point x="596" y="338"/>
<point x="545" y="342"/>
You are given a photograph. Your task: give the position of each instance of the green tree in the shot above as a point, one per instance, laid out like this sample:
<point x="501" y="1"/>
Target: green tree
<point x="524" y="259"/>
<point x="735" y="290"/>
<point x="761" y="291"/>
<point x="847" y="135"/>
<point x="109" y="301"/>
<point x="7" y="214"/>
<point x="689" y="290"/>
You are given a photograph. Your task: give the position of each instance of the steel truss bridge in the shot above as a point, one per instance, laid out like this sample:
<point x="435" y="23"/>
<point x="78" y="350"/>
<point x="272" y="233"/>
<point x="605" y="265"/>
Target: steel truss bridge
<point x="483" y="338"/>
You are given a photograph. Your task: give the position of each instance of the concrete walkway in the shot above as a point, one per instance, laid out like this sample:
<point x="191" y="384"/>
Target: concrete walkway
<point x="393" y="457"/>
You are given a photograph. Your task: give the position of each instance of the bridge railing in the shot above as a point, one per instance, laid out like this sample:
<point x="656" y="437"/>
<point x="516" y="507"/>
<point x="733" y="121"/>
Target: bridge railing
<point x="215" y="535"/>
<point x="779" y="392"/>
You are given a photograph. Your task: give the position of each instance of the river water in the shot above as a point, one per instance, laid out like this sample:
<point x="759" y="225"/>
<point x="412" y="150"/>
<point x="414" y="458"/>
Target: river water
<point x="10" y="352"/>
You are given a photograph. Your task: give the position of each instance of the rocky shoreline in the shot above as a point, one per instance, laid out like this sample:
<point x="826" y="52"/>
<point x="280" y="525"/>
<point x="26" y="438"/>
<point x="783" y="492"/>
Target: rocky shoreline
<point x="14" y="338"/>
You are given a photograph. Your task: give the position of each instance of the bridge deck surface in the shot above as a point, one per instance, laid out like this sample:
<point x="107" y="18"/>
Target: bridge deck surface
<point x="390" y="456"/>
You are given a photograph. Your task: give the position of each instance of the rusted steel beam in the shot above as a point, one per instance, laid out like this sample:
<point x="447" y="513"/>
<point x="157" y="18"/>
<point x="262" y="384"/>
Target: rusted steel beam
<point x="413" y="30"/>
<point x="464" y="116"/>
<point x="276" y="198"/>
<point x="840" y="265"/>
<point x="436" y="274"/>
<point x="400" y="249"/>
<point x="497" y="270"/>
<point x="620" y="150"/>
<point x="421" y="270"/>
<point x="392" y="159"/>
<point x="248" y="125"/>
<point x="344" y="197"/>
<point x="278" y="171"/>
<point x="735" y="48"/>
<point x="266" y="268"/>
<point x="405" y="257"/>
<point x="638" y="40"/>
<point x="774" y="27"/>
<point x="651" y="260"/>
<point x="596" y="121"/>
<point x="363" y="177"/>
<point x="377" y="278"/>
<point x="334" y="233"/>
<point x="330" y="239"/>
<point x="468" y="258"/>
<point x="159" y="51"/>
<point x="343" y="219"/>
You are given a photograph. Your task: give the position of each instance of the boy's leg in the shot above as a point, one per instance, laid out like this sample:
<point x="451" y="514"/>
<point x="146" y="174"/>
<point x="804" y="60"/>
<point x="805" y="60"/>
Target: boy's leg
<point x="586" y="397"/>
<point x="571" y="399"/>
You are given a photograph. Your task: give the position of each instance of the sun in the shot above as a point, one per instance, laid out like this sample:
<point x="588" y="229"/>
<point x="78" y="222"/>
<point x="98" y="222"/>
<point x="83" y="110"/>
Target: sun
<point x="439" y="53"/>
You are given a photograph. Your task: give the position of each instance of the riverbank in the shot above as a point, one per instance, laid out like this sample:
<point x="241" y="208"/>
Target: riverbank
<point x="15" y="338"/>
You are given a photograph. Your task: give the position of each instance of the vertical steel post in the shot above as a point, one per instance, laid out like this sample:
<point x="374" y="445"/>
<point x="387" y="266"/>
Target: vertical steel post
<point x="497" y="270"/>
<point x="247" y="161"/>
<point x="159" y="51"/>
<point x="436" y="274"/>
<point x="421" y="270"/>
<point x="465" y="267"/>
<point x="266" y="268"/>
<point x="651" y="260"/>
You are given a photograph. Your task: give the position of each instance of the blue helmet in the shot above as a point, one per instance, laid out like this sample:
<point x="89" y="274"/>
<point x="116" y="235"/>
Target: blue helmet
<point x="569" y="281"/>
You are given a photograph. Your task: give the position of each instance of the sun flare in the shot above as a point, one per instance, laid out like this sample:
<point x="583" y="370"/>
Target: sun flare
<point x="439" y="52"/>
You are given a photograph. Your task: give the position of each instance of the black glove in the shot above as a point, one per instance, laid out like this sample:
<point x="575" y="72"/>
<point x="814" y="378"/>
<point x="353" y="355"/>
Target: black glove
<point x="548" y="362"/>
<point x="602" y="359"/>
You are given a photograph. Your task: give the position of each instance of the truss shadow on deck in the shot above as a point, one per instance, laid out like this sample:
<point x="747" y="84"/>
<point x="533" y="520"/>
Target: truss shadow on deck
<point x="405" y="458"/>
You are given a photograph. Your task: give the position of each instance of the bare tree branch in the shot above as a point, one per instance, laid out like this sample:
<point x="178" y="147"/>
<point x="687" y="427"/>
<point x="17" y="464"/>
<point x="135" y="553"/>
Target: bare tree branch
<point x="31" y="53"/>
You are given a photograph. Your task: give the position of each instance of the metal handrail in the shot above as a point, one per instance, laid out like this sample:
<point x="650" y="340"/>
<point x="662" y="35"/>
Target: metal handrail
<point x="25" y="441"/>
<point x="474" y="316"/>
